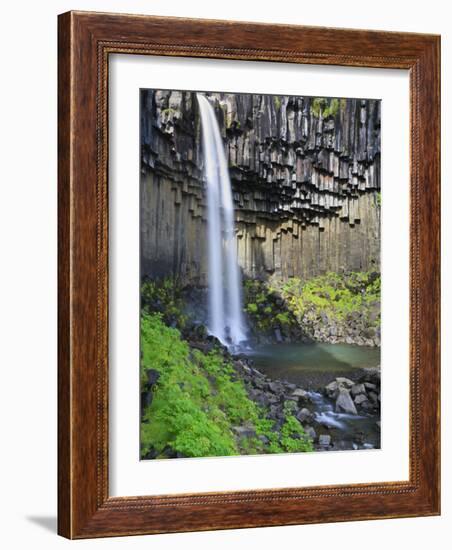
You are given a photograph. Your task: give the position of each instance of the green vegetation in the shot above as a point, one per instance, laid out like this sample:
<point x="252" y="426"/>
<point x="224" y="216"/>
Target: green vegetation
<point x="266" y="308"/>
<point x="324" y="107"/>
<point x="340" y="296"/>
<point x="168" y="112"/>
<point x="198" y="404"/>
<point x="293" y="305"/>
<point x="378" y="199"/>
<point x="198" y="401"/>
<point x="277" y="102"/>
<point x="164" y="296"/>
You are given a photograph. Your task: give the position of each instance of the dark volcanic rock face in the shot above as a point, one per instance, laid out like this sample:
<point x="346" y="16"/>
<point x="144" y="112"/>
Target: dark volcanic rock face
<point x="305" y="174"/>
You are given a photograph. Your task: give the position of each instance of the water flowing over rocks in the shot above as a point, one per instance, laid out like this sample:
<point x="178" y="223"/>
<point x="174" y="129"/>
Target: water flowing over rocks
<point x="342" y="415"/>
<point x="305" y="178"/>
<point x="341" y="420"/>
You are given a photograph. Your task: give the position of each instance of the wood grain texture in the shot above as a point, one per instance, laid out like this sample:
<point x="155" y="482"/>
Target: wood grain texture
<point x="85" y="42"/>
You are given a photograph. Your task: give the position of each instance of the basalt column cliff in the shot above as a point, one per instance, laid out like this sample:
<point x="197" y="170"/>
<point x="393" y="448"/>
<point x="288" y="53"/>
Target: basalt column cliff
<point x="305" y="174"/>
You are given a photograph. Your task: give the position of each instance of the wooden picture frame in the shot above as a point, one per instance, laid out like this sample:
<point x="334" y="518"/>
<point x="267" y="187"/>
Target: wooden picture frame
<point x="86" y="40"/>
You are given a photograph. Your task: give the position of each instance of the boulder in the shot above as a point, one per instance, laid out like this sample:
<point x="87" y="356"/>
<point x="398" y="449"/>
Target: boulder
<point x="373" y="397"/>
<point x="262" y="400"/>
<point x="358" y="389"/>
<point x="310" y="432"/>
<point x="342" y="381"/>
<point x="274" y="387"/>
<point x="244" y="431"/>
<point x="152" y="376"/>
<point x="304" y="415"/>
<point x="272" y="398"/>
<point x="258" y="383"/>
<point x="360" y="399"/>
<point x="300" y="393"/>
<point x="332" y="390"/>
<point x="344" y="403"/>
<point x="324" y="440"/>
<point x="146" y="399"/>
<point x="366" y="405"/>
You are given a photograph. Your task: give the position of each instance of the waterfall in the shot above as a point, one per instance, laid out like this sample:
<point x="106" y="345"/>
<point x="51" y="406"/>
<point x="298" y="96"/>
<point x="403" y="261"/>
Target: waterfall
<point x="225" y="285"/>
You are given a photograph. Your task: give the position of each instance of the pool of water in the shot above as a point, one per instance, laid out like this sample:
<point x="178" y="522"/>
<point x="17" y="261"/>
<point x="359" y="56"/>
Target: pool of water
<point x="312" y="365"/>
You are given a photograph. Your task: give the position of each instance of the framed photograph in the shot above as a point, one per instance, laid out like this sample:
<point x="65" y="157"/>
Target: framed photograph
<point x="248" y="275"/>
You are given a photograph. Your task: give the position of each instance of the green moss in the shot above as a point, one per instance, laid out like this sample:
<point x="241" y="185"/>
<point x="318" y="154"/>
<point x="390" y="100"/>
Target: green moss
<point x="277" y="102"/>
<point x="169" y="111"/>
<point x="197" y="401"/>
<point x="378" y="198"/>
<point x="265" y="308"/>
<point x="324" y="107"/>
<point x="317" y="106"/>
<point x="337" y="295"/>
<point x="164" y="296"/>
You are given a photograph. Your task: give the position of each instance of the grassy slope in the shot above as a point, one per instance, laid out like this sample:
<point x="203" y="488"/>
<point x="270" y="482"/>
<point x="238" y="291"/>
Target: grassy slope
<point x="198" y="400"/>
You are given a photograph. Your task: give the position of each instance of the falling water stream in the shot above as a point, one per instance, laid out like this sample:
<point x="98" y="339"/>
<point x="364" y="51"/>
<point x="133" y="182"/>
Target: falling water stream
<point x="225" y="317"/>
<point x="225" y="296"/>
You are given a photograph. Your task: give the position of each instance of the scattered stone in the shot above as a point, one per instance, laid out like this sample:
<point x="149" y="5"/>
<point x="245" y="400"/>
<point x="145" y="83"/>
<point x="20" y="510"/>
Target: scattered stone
<point x="274" y="387"/>
<point x="310" y="432"/>
<point x="244" y="431"/>
<point x="332" y="390"/>
<point x="304" y="415"/>
<point x="344" y="403"/>
<point x="299" y="393"/>
<point x="324" y="440"/>
<point x="262" y="400"/>
<point x="152" y="376"/>
<point x="360" y="399"/>
<point x="146" y="399"/>
<point x="342" y="381"/>
<point x="358" y="389"/>
<point x="258" y="383"/>
<point x="373" y="397"/>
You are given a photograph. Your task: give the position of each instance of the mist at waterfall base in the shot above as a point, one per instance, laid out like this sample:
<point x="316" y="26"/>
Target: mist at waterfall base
<point x="225" y="317"/>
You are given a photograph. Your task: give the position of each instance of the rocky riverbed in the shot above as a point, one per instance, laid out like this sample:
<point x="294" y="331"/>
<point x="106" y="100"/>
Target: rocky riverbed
<point x="344" y="414"/>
